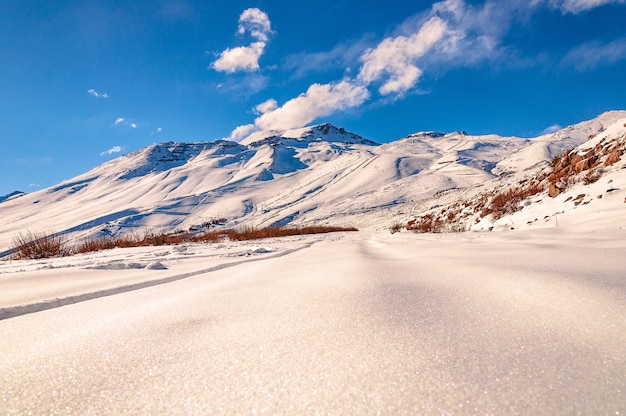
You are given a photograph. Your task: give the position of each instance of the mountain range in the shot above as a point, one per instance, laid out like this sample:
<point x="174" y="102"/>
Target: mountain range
<point x="320" y="175"/>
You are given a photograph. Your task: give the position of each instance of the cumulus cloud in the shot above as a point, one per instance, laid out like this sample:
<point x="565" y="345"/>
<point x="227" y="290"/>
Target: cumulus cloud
<point x="242" y="58"/>
<point x="393" y="61"/>
<point x="595" y="54"/>
<point x="96" y="94"/>
<point x="266" y="106"/>
<point x="119" y="120"/>
<point x="114" y="149"/>
<point x="319" y="100"/>
<point x="577" y="6"/>
<point x="242" y="131"/>
<point x="256" y="22"/>
<point x="246" y="58"/>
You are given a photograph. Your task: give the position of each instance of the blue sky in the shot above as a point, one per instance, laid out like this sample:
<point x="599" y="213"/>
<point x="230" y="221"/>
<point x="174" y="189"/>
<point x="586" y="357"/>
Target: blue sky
<point x="82" y="82"/>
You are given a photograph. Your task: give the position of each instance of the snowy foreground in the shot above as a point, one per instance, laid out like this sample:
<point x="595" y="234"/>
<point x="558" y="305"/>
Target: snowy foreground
<point x="516" y="322"/>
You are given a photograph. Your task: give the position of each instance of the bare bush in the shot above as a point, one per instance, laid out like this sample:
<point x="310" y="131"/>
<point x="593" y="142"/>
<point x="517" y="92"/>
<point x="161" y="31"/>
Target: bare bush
<point x="39" y="245"/>
<point x="396" y="227"/>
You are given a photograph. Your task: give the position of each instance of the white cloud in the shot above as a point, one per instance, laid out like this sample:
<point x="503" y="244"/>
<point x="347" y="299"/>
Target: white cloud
<point x="319" y="100"/>
<point x="246" y="58"/>
<point x="242" y="58"/>
<point x="242" y="131"/>
<point x="123" y="121"/>
<point x="96" y="94"/>
<point x="595" y="54"/>
<point x="552" y="129"/>
<point x="577" y="6"/>
<point x="264" y="107"/>
<point x="474" y="32"/>
<point x="393" y="61"/>
<point x="451" y="34"/>
<point x="114" y="149"/>
<point x="256" y="22"/>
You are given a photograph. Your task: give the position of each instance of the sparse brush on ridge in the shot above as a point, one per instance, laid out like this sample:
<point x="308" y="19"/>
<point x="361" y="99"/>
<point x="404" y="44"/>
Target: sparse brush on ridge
<point x="31" y="245"/>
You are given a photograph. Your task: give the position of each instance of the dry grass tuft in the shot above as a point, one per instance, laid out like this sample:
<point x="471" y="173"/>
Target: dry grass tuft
<point x="32" y="245"/>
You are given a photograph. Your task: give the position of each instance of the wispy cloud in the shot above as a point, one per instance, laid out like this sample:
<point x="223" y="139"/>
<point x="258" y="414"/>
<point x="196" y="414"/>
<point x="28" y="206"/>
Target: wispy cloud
<point x="393" y="61"/>
<point x="125" y="122"/>
<point x="176" y="10"/>
<point x="577" y="6"/>
<point x="114" y="149"/>
<point x="246" y="58"/>
<point x="551" y="129"/>
<point x="343" y="56"/>
<point x="97" y="94"/>
<point x="595" y="54"/>
<point x="246" y="85"/>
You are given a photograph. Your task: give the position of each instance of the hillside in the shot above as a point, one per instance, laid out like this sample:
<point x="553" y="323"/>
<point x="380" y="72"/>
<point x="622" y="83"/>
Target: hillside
<point x="316" y="175"/>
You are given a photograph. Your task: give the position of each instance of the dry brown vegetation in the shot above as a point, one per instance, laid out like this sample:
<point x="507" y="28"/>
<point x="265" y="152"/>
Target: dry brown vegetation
<point x="38" y="245"/>
<point x="42" y="245"/>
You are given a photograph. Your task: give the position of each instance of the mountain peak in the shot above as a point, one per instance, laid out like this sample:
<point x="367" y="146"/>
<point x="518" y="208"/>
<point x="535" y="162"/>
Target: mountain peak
<point x="320" y="132"/>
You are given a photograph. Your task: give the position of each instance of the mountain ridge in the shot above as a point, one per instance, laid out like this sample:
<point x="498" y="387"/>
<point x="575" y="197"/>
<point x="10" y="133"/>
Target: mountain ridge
<point x="316" y="175"/>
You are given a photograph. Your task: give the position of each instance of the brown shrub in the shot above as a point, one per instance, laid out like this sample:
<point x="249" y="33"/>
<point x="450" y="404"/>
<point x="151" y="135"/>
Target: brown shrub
<point x="396" y="227"/>
<point x="507" y="202"/>
<point x="39" y="245"/>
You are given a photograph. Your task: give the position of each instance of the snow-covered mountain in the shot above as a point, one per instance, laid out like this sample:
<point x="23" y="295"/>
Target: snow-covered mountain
<point x="314" y="175"/>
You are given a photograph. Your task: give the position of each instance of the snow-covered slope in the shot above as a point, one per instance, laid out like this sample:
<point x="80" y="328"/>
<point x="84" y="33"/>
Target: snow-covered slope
<point x="315" y="175"/>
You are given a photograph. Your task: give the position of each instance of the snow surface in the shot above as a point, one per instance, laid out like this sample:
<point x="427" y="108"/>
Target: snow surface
<point x="522" y="322"/>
